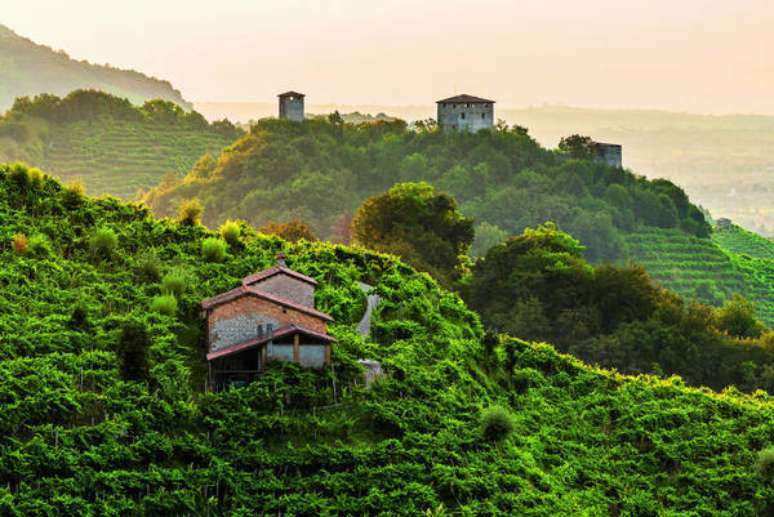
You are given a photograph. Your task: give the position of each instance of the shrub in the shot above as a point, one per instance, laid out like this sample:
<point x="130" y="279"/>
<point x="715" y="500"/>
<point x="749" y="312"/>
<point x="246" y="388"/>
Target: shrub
<point x="149" y="267"/>
<point x="132" y="352"/>
<point x="213" y="250"/>
<point x="496" y="424"/>
<point x="20" y="243"/>
<point x="103" y="242"/>
<point x="40" y="245"/>
<point x="190" y="212"/>
<point x="164" y="304"/>
<point x="230" y="231"/>
<point x="174" y="283"/>
<point x="765" y="462"/>
<point x="73" y="194"/>
<point x="20" y="175"/>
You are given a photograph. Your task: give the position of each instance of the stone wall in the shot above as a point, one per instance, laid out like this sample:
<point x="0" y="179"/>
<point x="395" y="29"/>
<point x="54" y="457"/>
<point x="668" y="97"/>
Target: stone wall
<point x="289" y="288"/>
<point x="237" y="321"/>
<point x="291" y="108"/>
<point x="471" y="117"/>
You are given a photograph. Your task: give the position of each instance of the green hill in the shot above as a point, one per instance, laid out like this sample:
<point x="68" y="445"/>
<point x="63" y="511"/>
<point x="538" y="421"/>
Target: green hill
<point x="320" y="172"/>
<point x="710" y="270"/>
<point x="110" y="145"/>
<point x="29" y="69"/>
<point x="77" y="437"/>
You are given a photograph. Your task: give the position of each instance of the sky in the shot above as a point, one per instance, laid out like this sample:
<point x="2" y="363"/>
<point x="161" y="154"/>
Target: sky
<point x="704" y="56"/>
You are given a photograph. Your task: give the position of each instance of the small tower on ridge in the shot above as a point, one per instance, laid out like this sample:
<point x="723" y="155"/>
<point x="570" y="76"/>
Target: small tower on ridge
<point x="291" y="106"/>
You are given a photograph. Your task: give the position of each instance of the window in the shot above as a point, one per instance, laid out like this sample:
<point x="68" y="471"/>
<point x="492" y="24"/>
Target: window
<point x="467" y="105"/>
<point x="483" y="115"/>
<point x="462" y="116"/>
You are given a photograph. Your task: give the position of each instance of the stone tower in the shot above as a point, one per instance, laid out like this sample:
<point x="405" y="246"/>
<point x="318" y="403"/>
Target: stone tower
<point x="465" y="113"/>
<point x="291" y="106"/>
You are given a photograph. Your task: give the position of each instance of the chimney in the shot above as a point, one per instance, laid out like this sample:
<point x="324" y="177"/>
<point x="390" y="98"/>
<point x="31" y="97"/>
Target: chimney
<point x="281" y="259"/>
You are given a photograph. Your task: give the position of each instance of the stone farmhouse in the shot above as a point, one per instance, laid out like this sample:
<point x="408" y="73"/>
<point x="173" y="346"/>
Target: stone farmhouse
<point x="291" y="106"/>
<point x="465" y="113"/>
<point x="269" y="317"/>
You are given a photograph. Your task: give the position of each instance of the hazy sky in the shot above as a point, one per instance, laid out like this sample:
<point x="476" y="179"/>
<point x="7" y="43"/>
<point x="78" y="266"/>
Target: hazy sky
<point x="713" y="56"/>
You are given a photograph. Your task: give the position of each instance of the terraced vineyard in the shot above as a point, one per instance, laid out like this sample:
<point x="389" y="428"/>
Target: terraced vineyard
<point x="122" y="157"/>
<point x="733" y="261"/>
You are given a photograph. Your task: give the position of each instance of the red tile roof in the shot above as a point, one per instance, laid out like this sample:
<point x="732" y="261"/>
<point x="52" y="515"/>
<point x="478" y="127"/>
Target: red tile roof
<point x="463" y="99"/>
<point x="274" y="270"/>
<point x="243" y="290"/>
<point x="288" y="330"/>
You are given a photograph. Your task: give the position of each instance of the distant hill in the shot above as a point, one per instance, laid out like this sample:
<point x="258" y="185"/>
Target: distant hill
<point x="107" y="143"/>
<point x="723" y="162"/>
<point x="29" y="69"/>
<point x="104" y="410"/>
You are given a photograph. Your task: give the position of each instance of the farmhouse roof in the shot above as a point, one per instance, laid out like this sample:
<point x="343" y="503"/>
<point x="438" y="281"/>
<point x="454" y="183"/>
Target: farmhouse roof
<point x="245" y="290"/>
<point x="288" y="330"/>
<point x="274" y="270"/>
<point x="465" y="98"/>
<point x="291" y="93"/>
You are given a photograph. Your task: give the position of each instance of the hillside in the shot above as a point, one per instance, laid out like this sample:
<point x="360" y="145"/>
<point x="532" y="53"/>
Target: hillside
<point x="110" y="145"/>
<point x="733" y="261"/>
<point x="722" y="161"/>
<point x="29" y="69"/>
<point x="80" y="438"/>
<point x="320" y="173"/>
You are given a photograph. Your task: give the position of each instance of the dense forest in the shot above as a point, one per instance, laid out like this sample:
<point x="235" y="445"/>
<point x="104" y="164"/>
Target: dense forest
<point x="107" y="143"/>
<point x="321" y="171"/>
<point x="103" y="367"/>
<point x="31" y="69"/>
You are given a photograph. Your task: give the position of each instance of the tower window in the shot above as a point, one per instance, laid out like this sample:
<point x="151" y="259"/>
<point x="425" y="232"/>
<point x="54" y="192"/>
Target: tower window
<point x="483" y="115"/>
<point x="462" y="115"/>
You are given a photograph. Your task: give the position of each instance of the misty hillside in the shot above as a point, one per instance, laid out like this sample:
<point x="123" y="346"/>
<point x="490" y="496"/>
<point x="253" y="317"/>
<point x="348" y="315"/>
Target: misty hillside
<point x="29" y="69"/>
<point x="110" y="145"/>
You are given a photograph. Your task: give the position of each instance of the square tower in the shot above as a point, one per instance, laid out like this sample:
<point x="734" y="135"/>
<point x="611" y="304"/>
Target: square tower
<point x="291" y="106"/>
<point x="465" y="113"/>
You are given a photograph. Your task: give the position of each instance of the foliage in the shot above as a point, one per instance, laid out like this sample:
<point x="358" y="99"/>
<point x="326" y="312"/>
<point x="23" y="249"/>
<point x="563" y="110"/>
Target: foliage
<point x="537" y="286"/>
<point x="578" y="147"/>
<point x="496" y="424"/>
<point x="423" y="227"/>
<point x="190" y="212"/>
<point x="737" y="317"/>
<point x="39" y="245"/>
<point x="765" y="462"/>
<point x="213" y="249"/>
<point x="230" y="231"/>
<point x="108" y="144"/>
<point x="20" y="243"/>
<point x="132" y="352"/>
<point x="77" y="438"/>
<point x="103" y="242"/>
<point x="175" y="283"/>
<point x="164" y="304"/>
<point x="149" y="267"/>
<point x="321" y="171"/>
<point x="292" y="231"/>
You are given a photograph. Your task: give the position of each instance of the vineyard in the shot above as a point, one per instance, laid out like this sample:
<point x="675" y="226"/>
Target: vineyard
<point x="104" y="412"/>
<point x="710" y="270"/>
<point x="121" y="157"/>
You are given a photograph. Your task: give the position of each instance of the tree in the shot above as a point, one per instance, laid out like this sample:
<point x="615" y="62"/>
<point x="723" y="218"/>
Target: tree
<point x="413" y="221"/>
<point x="737" y="318"/>
<point x="578" y="147"/>
<point x="292" y="231"/>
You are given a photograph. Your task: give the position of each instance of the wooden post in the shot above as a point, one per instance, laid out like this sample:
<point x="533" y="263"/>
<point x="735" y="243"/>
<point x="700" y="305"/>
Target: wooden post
<point x="328" y="354"/>
<point x="264" y="353"/>
<point x="297" y="348"/>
